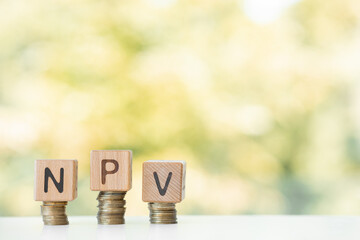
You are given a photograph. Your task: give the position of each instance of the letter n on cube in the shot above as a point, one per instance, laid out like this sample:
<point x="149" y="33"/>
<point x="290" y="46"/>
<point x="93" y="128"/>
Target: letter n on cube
<point x="55" y="180"/>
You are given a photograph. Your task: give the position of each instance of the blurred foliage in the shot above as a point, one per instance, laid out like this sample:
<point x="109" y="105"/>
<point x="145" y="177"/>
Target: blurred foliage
<point x="261" y="98"/>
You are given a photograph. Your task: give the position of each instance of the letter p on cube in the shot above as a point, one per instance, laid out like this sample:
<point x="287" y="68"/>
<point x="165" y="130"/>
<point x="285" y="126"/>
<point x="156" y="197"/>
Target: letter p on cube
<point x="110" y="170"/>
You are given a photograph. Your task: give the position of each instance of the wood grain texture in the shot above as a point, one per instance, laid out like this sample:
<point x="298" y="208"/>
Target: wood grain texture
<point x="159" y="170"/>
<point x="55" y="166"/>
<point x="110" y="170"/>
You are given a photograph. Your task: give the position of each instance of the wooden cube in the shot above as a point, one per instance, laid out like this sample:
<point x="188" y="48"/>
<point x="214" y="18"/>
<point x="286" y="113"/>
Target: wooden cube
<point x="56" y="180"/>
<point x="110" y="170"/>
<point x="163" y="181"/>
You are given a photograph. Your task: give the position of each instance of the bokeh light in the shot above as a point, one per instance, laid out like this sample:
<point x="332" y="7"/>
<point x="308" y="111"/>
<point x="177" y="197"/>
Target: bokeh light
<point x="261" y="98"/>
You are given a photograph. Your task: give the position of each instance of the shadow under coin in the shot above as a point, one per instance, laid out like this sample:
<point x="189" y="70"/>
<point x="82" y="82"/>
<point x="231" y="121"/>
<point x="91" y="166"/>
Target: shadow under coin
<point x="163" y="232"/>
<point x="55" y="232"/>
<point x="111" y="232"/>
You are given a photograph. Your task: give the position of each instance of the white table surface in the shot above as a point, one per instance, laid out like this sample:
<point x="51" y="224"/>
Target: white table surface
<point x="189" y="227"/>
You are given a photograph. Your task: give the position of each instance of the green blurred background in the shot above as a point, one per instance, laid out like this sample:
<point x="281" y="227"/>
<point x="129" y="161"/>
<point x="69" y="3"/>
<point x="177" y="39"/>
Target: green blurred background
<point x="261" y="98"/>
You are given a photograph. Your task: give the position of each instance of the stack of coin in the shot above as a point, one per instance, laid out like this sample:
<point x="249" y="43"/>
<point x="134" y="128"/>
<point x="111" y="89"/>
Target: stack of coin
<point x="54" y="213"/>
<point x="162" y="213"/>
<point x="111" y="207"/>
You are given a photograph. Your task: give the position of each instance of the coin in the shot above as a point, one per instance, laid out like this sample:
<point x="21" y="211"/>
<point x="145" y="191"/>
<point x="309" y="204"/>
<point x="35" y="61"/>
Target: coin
<point x="162" y="213"/>
<point x="53" y="213"/>
<point x="111" y="207"/>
